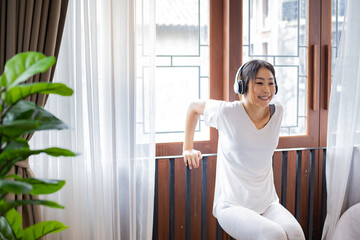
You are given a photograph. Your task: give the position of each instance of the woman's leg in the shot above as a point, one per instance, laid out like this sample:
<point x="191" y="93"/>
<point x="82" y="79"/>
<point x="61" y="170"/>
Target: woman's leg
<point x="244" y="224"/>
<point x="280" y="215"/>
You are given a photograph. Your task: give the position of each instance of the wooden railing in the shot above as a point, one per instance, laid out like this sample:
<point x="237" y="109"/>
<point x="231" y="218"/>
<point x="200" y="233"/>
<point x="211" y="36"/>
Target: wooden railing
<point x="314" y="156"/>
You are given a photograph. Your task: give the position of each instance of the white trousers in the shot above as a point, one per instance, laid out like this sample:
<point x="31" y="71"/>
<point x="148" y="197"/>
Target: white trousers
<point x="276" y="223"/>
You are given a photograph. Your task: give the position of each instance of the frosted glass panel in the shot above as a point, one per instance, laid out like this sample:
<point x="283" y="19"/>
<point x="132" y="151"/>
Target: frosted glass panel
<point x="177" y="27"/>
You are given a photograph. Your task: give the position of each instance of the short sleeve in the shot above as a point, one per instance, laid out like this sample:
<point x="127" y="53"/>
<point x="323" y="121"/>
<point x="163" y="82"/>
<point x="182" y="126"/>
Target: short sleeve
<point x="212" y="113"/>
<point x="278" y="114"/>
<point x="278" y="108"/>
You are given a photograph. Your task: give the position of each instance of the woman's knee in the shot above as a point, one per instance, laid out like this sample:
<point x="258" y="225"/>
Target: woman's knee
<point x="294" y="232"/>
<point x="263" y="233"/>
<point x="275" y="233"/>
<point x="286" y="220"/>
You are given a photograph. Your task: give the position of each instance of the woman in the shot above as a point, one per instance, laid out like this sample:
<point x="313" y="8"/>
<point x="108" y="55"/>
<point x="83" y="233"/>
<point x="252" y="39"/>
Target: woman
<point x="245" y="201"/>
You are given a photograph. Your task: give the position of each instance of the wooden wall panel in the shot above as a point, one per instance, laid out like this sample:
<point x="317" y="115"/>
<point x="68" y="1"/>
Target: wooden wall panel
<point x="163" y="210"/>
<point x="179" y="199"/>
<point x="163" y="203"/>
<point x="211" y="220"/>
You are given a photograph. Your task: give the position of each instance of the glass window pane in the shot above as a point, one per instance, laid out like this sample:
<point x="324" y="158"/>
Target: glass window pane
<point x="180" y="89"/>
<point x="289" y="97"/>
<point x="177" y="27"/>
<point x="337" y="21"/>
<point x="182" y="73"/>
<point x="171" y="108"/>
<point x="280" y="37"/>
<point x="286" y="14"/>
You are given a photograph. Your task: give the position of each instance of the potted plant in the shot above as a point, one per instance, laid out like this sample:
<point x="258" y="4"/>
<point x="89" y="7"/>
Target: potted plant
<point x="19" y="117"/>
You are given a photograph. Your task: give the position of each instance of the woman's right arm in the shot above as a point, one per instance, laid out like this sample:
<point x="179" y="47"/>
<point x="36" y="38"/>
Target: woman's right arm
<point x="192" y="157"/>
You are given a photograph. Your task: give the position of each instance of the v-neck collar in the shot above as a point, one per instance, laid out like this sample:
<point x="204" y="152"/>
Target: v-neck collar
<point x="251" y="124"/>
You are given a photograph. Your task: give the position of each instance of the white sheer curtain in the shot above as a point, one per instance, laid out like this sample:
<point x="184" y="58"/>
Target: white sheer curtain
<point x="343" y="141"/>
<point x="107" y="57"/>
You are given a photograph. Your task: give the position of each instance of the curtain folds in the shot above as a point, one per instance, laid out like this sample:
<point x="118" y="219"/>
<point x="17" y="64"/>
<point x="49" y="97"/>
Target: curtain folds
<point x="107" y="57"/>
<point x="31" y="25"/>
<point x="342" y="168"/>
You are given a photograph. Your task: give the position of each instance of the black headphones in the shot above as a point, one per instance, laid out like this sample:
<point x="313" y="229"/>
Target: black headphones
<point x="239" y="85"/>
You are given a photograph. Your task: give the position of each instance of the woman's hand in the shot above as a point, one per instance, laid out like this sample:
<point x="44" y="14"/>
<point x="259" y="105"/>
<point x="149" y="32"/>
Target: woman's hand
<point x="192" y="158"/>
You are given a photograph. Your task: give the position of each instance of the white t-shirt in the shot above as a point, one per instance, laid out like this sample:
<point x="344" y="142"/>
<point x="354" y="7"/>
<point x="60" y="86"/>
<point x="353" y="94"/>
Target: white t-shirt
<point x="244" y="174"/>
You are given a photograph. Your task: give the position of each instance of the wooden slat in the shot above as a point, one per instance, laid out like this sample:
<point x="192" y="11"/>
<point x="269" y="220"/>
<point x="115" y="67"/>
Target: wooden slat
<point x="218" y="231"/>
<point x="203" y="198"/>
<point x="284" y="178"/>
<point x="298" y="185"/>
<point x="188" y="203"/>
<point x="311" y="193"/>
<point x="323" y="190"/>
<point x="156" y="204"/>
<point x="172" y="199"/>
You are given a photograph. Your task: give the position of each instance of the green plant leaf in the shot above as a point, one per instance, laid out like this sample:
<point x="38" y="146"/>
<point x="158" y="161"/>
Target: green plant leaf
<point x="25" y="117"/>
<point x="2" y="80"/>
<point x="6" y="232"/>
<point x="40" y="186"/>
<point x="57" y="152"/>
<point x="44" y="186"/>
<point x="24" y="90"/>
<point x="15" y="220"/>
<point x="6" y="206"/>
<point x="15" y="186"/>
<point x="23" y="66"/>
<point x="42" y="228"/>
<point x="18" y="143"/>
<point x="10" y="157"/>
<point x="21" y="110"/>
<point x="17" y="128"/>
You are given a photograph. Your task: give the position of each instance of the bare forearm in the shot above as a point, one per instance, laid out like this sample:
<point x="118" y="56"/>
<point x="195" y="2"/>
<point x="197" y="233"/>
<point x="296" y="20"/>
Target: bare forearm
<point x="192" y="157"/>
<point x="191" y="121"/>
<point x="194" y="111"/>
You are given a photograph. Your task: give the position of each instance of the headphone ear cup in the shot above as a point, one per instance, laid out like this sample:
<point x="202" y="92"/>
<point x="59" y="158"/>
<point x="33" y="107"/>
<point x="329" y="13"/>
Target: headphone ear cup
<point x="241" y="87"/>
<point x="236" y="86"/>
<point x="239" y="84"/>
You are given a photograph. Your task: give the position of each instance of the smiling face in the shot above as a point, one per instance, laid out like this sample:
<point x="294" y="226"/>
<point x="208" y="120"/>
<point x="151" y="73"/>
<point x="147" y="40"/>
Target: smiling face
<point x="261" y="89"/>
